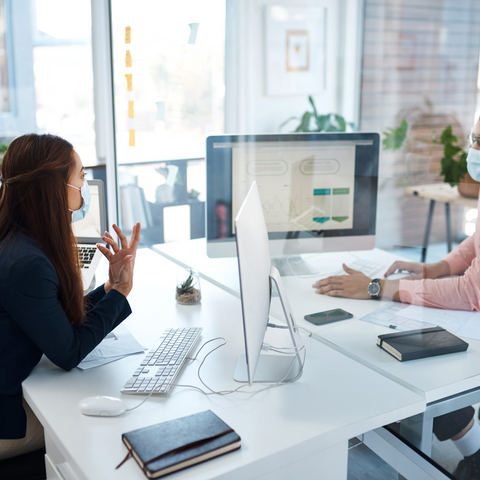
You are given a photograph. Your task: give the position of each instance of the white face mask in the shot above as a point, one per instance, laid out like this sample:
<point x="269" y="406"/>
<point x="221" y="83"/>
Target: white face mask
<point x="473" y="163"/>
<point x="86" y="196"/>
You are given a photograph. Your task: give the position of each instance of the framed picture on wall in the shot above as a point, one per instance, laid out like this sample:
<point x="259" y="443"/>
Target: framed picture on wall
<point x="298" y="51"/>
<point x="295" y="50"/>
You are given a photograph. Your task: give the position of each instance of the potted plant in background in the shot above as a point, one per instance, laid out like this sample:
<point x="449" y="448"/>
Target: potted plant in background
<point x="313" y="122"/>
<point x="453" y="163"/>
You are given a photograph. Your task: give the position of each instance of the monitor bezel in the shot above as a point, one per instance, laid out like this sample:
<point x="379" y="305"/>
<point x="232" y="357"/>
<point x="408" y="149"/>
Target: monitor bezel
<point x="292" y="243"/>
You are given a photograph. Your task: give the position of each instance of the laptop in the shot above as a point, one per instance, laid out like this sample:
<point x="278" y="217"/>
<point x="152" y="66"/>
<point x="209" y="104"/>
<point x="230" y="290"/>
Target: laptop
<point x="89" y="232"/>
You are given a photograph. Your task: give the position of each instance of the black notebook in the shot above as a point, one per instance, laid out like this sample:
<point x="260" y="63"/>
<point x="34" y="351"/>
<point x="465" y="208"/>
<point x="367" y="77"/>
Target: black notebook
<point x="171" y="446"/>
<point x="425" y="342"/>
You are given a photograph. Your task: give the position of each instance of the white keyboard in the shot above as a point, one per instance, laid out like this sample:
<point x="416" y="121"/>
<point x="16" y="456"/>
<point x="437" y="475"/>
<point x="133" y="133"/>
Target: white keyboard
<point x="161" y="365"/>
<point x="367" y="267"/>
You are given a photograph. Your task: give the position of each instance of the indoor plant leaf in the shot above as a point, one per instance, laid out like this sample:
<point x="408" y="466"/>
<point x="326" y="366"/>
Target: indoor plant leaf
<point x="394" y="137"/>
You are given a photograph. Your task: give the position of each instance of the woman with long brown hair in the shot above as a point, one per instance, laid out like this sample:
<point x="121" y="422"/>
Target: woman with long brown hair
<point x="42" y="307"/>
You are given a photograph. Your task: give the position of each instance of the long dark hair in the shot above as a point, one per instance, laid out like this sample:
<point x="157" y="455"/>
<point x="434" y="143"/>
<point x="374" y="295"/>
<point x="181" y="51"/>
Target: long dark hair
<point x="33" y="199"/>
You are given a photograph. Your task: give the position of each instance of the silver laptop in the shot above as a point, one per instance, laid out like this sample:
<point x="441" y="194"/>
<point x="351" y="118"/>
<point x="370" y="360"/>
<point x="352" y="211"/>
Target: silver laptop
<point x="89" y="232"/>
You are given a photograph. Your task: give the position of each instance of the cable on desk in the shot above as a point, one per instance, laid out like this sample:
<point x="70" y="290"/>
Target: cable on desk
<point x="267" y="386"/>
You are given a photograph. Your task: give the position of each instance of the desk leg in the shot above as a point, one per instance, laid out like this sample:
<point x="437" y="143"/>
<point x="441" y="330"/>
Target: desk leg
<point x="427" y="230"/>
<point x="449" y="226"/>
<point x="418" y="431"/>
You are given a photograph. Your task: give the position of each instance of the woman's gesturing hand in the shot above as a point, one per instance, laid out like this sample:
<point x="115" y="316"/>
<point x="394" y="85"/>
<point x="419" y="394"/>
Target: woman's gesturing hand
<point x="121" y="259"/>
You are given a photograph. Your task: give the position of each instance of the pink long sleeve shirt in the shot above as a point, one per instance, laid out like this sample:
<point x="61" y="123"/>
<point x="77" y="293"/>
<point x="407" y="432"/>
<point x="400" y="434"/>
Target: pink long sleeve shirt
<point x="455" y="293"/>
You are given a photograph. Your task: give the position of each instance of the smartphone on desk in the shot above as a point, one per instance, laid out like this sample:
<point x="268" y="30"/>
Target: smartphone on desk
<point x="329" y="316"/>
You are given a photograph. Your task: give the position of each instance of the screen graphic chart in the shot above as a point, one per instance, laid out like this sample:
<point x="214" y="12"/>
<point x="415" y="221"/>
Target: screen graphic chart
<point x="303" y="187"/>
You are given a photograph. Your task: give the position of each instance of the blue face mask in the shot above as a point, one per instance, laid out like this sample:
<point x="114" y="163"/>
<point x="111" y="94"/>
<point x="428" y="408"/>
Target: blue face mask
<point x="473" y="163"/>
<point x="86" y="196"/>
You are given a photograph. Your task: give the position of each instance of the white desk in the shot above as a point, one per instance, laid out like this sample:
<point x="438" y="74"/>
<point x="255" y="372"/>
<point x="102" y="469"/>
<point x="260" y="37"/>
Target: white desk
<point x="443" y="381"/>
<point x="294" y="431"/>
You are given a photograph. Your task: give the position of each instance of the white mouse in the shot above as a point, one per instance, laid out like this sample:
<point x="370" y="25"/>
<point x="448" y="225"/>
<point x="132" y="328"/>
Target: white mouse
<point x="100" y="406"/>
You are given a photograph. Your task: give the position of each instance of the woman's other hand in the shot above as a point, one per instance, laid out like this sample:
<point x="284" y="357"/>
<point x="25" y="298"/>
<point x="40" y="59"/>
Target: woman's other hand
<point x="420" y="270"/>
<point x="353" y="285"/>
<point x="121" y="259"/>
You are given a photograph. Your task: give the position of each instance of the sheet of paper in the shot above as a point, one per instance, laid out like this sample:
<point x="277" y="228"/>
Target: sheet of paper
<point x="128" y="59"/>
<point x="391" y="316"/>
<point x="400" y="316"/>
<point x="451" y="320"/>
<point x="129" y="78"/>
<point x="471" y="329"/>
<point x="131" y="138"/>
<point x="131" y="113"/>
<point x="98" y="362"/>
<point x="128" y="35"/>
<point x="117" y="344"/>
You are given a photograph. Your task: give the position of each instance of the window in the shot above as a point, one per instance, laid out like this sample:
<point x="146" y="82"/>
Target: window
<point x="46" y="77"/>
<point x="169" y="95"/>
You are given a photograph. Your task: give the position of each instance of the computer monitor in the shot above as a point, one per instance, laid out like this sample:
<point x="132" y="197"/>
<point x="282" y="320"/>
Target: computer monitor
<point x="93" y="226"/>
<point x="318" y="190"/>
<point x="256" y="277"/>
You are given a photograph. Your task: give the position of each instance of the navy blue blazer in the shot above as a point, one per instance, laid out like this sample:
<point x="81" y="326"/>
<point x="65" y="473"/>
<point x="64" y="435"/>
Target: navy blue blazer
<point x="33" y="323"/>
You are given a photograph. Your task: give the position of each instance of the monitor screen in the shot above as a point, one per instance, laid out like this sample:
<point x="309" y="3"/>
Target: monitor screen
<point x="318" y="191"/>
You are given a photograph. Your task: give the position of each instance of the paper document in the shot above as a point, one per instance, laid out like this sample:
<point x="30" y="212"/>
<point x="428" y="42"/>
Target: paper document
<point x="451" y="320"/>
<point x="391" y="316"/>
<point x="401" y="316"/>
<point x="117" y="344"/>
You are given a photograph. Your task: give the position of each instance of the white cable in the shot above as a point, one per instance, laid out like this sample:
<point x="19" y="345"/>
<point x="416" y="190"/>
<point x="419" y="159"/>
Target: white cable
<point x="308" y="332"/>
<point x="236" y="390"/>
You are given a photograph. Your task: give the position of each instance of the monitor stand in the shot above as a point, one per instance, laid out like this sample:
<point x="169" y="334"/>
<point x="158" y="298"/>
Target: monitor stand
<point x="293" y="265"/>
<point x="276" y="368"/>
<point x="270" y="369"/>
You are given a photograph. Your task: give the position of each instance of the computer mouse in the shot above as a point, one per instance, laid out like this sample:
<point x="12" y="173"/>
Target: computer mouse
<point x="102" y="406"/>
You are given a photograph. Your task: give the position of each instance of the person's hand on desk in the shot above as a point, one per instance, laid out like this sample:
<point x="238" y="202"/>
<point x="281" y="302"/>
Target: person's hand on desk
<point x="352" y="285"/>
<point x="420" y="270"/>
<point x="121" y="259"/>
<point x="355" y="285"/>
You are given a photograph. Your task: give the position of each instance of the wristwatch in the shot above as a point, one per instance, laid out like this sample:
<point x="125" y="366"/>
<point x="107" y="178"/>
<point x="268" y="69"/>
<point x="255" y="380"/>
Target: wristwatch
<point x="374" y="289"/>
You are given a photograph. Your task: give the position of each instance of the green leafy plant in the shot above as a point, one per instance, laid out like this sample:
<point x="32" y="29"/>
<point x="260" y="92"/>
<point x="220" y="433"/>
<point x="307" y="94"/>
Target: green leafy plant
<point x="454" y="161"/>
<point x="394" y="137"/>
<point x="313" y="122"/>
<point x="3" y="147"/>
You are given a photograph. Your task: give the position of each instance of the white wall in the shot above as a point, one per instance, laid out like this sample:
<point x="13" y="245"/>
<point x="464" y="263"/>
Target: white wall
<point x="248" y="108"/>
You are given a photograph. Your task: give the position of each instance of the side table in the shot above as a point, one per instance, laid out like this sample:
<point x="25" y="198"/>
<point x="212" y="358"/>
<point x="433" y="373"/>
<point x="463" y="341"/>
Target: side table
<point x="441" y="192"/>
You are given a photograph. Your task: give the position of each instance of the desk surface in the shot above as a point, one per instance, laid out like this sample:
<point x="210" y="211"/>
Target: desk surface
<point x="335" y="399"/>
<point x="434" y="378"/>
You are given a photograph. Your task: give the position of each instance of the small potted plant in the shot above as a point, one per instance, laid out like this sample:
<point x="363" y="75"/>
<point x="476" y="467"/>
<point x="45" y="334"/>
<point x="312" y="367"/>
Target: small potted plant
<point x="188" y="287"/>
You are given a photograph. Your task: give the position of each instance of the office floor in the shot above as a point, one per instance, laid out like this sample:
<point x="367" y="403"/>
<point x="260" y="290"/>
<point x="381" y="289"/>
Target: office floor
<point x="363" y="464"/>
